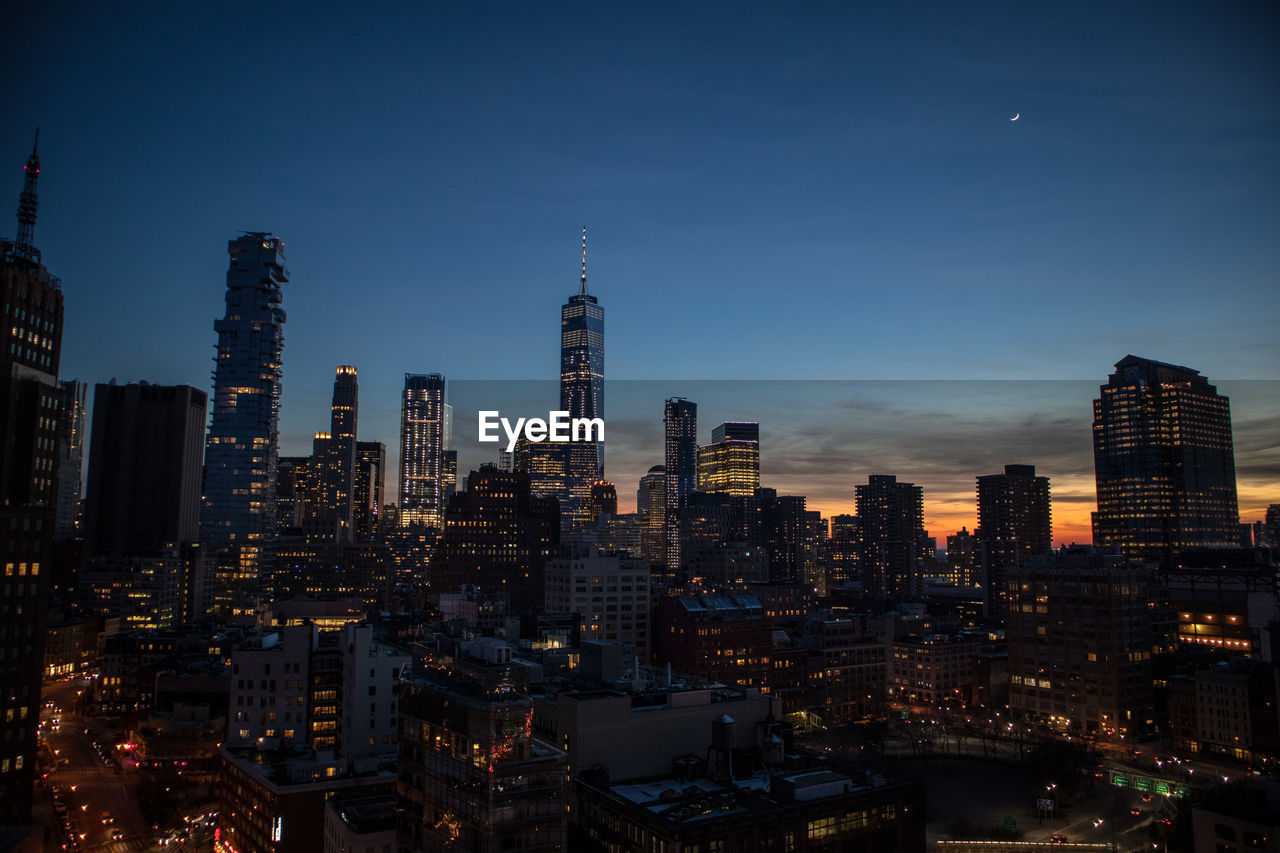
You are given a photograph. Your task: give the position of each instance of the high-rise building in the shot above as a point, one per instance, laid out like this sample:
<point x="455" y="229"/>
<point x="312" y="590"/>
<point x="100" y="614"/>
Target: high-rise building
<point x="604" y="500"/>
<point x="330" y="509"/>
<point x="70" y="456"/>
<point x="497" y="537"/>
<point x="239" y="512"/>
<point x="651" y="505"/>
<point x="582" y="353"/>
<point x="146" y="448"/>
<point x="1014" y="523"/>
<point x="369" y="486"/>
<point x="731" y="462"/>
<point x="292" y="483"/>
<point x="680" y="423"/>
<point x="1164" y="462"/>
<point x="581" y="395"/>
<point x="29" y="396"/>
<point x="894" y="541"/>
<point x="964" y="559"/>
<point x="423" y="442"/>
<point x="842" y="553"/>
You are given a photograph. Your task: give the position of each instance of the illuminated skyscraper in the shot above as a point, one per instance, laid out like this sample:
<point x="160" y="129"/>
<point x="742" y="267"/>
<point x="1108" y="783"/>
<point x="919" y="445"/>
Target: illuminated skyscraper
<point x="424" y="418"/>
<point x="581" y="394"/>
<point x="239" y="511"/>
<point x="331" y="514"/>
<point x="731" y="462"/>
<point x="680" y="422"/>
<point x="1164" y="462"/>
<point x="30" y="343"/>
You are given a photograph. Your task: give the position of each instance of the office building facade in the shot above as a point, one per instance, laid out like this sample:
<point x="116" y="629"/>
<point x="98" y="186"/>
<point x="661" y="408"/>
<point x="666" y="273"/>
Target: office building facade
<point x="1164" y="463"/>
<point x="731" y="462"/>
<point x="423" y="441"/>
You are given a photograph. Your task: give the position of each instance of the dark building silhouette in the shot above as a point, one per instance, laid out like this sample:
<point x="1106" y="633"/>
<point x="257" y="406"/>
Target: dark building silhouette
<point x="292" y="478"/>
<point x="143" y="489"/>
<point x="330" y="506"/>
<point x="1013" y="523"/>
<point x="70" y="456"/>
<point x="783" y="530"/>
<point x="680" y="422"/>
<point x="369" y="486"/>
<point x="29" y="398"/>
<point x="604" y="499"/>
<point x="842" y="552"/>
<point x="964" y="558"/>
<point x="142" y="505"/>
<point x="497" y="538"/>
<point x="894" y="541"/>
<point x="239" y="513"/>
<point x="1164" y="462"/>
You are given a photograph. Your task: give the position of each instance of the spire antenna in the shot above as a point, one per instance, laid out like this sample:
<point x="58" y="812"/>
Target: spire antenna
<point x="27" y="204"/>
<point x="584" y="260"/>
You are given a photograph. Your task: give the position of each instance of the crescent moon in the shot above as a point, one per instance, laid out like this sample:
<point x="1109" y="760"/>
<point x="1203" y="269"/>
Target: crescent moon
<point x="1015" y="118"/>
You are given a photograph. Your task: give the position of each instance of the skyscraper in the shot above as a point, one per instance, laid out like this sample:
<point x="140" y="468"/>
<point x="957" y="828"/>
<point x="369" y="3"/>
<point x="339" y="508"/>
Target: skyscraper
<point x="891" y="525"/>
<point x="731" y="462"/>
<point x="142" y="504"/>
<point x="29" y="395"/>
<point x="331" y="507"/>
<point x="582" y="351"/>
<point x="651" y="504"/>
<point x="239" y="512"/>
<point x="1164" y="462"/>
<point x="423" y="441"/>
<point x="370" y="488"/>
<point x="680" y="422"/>
<point x="70" y="455"/>
<point x="581" y="394"/>
<point x="1014" y="523"/>
<point x="143" y="489"/>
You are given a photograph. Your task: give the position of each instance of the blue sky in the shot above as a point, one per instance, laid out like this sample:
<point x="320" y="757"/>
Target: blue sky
<point x="772" y="190"/>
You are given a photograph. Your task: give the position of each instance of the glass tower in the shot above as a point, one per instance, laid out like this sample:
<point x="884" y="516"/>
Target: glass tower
<point x="239" y="510"/>
<point x="680" y="422"/>
<point x="581" y="393"/>
<point x="424" y="438"/>
<point x="1164" y="462"/>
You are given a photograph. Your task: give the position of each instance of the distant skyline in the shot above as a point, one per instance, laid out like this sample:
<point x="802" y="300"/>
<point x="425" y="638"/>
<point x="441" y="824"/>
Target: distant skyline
<point x="771" y="192"/>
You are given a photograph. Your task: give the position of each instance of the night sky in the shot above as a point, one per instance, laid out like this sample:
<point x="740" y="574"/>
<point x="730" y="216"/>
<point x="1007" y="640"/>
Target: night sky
<point x="772" y="191"/>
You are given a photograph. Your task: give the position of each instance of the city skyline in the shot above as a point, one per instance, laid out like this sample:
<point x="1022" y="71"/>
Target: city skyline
<point x="857" y="161"/>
